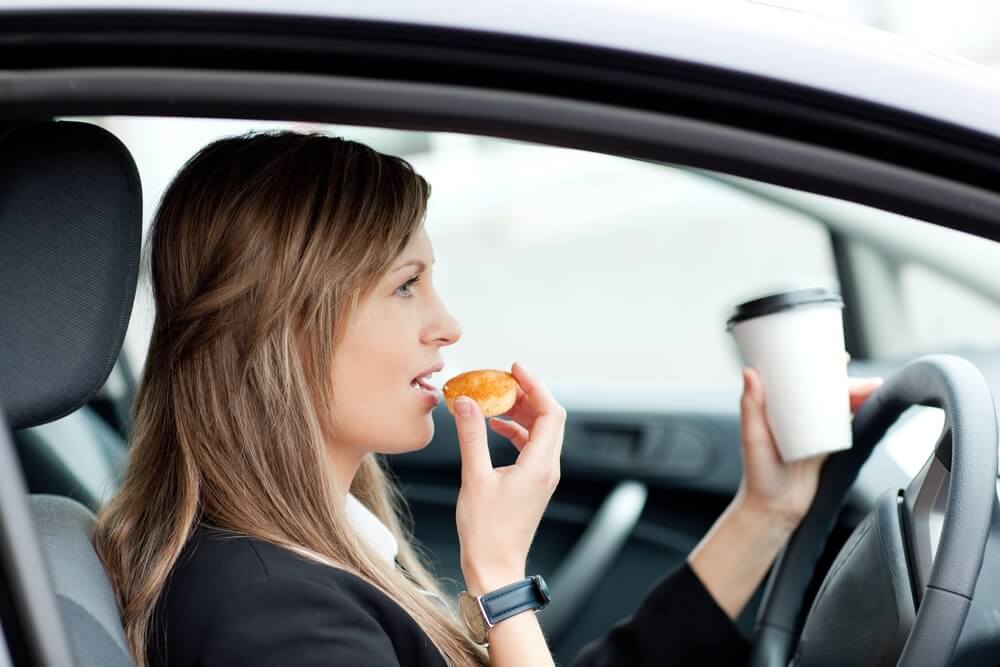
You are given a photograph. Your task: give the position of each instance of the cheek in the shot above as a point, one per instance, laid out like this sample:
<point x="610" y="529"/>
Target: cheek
<point x="374" y="417"/>
<point x="369" y="360"/>
<point x="375" y="409"/>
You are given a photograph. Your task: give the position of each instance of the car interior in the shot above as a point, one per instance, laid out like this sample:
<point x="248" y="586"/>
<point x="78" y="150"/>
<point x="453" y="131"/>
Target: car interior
<point x="646" y="470"/>
<point x="606" y="537"/>
<point x="641" y="485"/>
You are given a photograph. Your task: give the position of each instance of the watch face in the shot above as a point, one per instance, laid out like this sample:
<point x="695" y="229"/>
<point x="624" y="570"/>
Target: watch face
<point x="468" y="607"/>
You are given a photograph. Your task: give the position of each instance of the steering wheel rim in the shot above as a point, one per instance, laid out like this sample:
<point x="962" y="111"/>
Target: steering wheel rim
<point x="970" y="438"/>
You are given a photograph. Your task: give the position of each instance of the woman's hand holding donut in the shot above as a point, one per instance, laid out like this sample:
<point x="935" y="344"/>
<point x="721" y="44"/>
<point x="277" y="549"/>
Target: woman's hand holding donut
<point x="499" y="509"/>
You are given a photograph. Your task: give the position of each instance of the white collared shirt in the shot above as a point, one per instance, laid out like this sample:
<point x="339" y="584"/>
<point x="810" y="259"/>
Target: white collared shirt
<point x="371" y="529"/>
<point x="368" y="527"/>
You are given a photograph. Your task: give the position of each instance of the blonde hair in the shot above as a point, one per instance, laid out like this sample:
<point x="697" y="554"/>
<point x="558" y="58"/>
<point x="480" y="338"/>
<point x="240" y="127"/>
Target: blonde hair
<point x="261" y="249"/>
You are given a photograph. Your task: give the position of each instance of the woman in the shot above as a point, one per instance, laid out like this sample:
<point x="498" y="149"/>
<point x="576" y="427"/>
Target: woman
<point x="295" y="318"/>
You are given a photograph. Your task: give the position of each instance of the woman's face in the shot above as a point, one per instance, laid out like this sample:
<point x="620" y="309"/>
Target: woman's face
<point x="394" y="338"/>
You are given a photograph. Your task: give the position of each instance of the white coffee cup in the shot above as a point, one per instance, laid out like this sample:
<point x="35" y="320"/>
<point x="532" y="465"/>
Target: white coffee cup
<point x="795" y="342"/>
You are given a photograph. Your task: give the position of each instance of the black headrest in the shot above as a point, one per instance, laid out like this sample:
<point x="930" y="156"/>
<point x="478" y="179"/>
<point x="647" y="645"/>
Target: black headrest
<point x="70" y="229"/>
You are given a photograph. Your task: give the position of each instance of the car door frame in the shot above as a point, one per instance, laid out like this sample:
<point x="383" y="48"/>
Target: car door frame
<point x="66" y="63"/>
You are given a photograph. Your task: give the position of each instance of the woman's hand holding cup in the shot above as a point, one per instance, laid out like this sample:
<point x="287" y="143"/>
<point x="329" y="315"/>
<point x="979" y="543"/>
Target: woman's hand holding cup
<point x="773" y="497"/>
<point x="771" y="486"/>
<point x="794" y="343"/>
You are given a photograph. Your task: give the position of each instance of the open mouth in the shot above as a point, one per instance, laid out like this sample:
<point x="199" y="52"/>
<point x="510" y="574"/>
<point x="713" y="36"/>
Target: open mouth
<point x="421" y="385"/>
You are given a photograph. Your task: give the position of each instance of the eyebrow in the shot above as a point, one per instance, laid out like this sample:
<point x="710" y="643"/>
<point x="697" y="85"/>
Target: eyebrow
<point x="416" y="263"/>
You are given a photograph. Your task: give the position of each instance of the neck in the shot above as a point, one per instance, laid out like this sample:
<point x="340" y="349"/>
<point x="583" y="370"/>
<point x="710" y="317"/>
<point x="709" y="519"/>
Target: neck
<point x="344" y="462"/>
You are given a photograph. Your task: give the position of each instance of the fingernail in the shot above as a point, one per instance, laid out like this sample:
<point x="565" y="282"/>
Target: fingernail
<point x="463" y="406"/>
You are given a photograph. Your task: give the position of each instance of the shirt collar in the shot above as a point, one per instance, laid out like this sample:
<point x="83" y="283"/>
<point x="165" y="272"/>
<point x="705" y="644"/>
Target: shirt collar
<point x="371" y="529"/>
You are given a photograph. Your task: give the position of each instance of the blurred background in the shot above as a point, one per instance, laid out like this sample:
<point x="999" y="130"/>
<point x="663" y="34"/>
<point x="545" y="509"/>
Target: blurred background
<point x="966" y="28"/>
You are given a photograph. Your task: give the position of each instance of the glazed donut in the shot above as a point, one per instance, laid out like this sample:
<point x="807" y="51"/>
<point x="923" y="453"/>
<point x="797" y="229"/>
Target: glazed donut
<point x="494" y="391"/>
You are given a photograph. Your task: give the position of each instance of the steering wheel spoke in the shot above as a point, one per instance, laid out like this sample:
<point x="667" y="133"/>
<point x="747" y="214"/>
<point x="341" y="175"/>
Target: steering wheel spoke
<point x="925" y="502"/>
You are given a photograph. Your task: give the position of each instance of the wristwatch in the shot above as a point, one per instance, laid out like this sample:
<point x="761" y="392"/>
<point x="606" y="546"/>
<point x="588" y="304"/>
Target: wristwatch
<point x="483" y="612"/>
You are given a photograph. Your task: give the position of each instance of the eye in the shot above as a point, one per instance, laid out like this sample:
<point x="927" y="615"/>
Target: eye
<point x="404" y="290"/>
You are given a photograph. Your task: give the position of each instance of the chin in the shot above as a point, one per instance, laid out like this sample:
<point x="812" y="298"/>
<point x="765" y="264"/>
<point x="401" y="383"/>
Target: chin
<point x="407" y="448"/>
<point x="428" y="435"/>
<point x="415" y="443"/>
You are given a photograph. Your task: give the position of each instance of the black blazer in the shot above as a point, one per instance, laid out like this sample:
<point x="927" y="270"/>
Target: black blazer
<point x="233" y="600"/>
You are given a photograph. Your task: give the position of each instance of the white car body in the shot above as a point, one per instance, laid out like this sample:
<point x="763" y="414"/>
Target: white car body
<point x="766" y="41"/>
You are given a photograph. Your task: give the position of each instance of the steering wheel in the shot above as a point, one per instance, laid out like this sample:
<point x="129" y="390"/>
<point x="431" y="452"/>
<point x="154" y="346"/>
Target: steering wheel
<point x="902" y="584"/>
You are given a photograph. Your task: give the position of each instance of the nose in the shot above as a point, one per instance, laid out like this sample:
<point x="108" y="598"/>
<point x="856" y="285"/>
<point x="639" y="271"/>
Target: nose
<point x="444" y="329"/>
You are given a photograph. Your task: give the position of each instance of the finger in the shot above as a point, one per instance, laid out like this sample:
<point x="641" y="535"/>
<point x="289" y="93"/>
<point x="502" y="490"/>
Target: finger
<point x="546" y="432"/>
<point x="756" y="431"/>
<point x="544" y="440"/>
<point x="864" y="386"/>
<point x="860" y="389"/>
<point x="514" y="432"/>
<point x="518" y="399"/>
<point x="815" y="461"/>
<point x="473" y="447"/>
<point x="536" y="392"/>
<point x="522" y="411"/>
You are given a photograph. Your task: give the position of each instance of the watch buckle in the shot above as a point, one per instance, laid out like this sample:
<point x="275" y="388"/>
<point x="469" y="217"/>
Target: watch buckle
<point x="482" y="612"/>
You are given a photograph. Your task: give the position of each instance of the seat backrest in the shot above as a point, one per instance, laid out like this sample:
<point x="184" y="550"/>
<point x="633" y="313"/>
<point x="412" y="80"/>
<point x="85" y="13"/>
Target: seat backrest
<point x="70" y="228"/>
<point x="82" y="589"/>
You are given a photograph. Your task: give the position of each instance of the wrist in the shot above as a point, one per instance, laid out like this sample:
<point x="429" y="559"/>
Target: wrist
<point x="481" y="580"/>
<point x="765" y="519"/>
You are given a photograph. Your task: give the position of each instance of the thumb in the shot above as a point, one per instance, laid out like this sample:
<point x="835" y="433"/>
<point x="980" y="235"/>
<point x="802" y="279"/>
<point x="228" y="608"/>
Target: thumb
<point x="753" y="418"/>
<point x="473" y="447"/>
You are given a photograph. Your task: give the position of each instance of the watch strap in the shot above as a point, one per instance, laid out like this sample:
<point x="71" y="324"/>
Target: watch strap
<point x="527" y="594"/>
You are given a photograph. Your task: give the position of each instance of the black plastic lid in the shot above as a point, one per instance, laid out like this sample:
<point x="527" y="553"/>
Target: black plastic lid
<point x="775" y="303"/>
